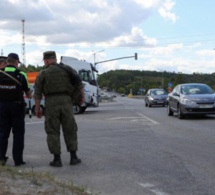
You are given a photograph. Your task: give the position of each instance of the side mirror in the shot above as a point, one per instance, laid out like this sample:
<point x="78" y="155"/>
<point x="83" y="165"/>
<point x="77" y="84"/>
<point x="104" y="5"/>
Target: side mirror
<point x="175" y="94"/>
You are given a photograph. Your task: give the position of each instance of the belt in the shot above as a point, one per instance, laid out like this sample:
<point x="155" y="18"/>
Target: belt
<point x="58" y="93"/>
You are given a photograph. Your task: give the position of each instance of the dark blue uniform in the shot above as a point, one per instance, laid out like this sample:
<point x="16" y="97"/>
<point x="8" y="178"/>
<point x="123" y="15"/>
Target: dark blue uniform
<point x="12" y="113"/>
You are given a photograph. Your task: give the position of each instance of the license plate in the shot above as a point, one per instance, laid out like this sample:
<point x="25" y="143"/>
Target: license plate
<point x="205" y="106"/>
<point x="160" y="102"/>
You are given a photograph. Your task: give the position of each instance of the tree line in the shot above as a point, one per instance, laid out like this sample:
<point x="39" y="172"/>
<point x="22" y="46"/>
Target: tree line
<point x="30" y="68"/>
<point x="123" y="81"/>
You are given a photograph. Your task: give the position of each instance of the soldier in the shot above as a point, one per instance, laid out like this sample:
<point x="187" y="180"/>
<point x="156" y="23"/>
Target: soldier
<point x="12" y="109"/>
<point x="55" y="84"/>
<point x="3" y="62"/>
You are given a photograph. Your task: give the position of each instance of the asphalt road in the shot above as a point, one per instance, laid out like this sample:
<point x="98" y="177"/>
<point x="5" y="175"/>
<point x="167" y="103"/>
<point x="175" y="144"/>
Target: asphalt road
<point x="130" y="149"/>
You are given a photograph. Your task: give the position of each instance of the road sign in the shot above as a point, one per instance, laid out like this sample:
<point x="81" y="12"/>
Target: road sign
<point x="169" y="84"/>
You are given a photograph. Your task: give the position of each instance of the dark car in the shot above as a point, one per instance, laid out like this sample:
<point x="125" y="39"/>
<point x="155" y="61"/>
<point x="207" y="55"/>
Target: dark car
<point x="190" y="99"/>
<point x="156" y="97"/>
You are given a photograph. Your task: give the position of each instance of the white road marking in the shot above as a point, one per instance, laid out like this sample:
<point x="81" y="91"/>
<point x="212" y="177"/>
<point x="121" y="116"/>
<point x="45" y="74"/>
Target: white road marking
<point x="35" y="122"/>
<point x="155" y="122"/>
<point x="143" y="119"/>
<point x="147" y="185"/>
<point x="152" y="188"/>
<point x="119" y="118"/>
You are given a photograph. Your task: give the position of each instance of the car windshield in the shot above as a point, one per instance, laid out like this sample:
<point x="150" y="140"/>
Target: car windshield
<point x="159" y="92"/>
<point x="196" y="89"/>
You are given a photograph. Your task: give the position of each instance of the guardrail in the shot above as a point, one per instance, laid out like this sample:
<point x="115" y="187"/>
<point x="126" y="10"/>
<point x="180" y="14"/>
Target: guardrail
<point x="138" y="96"/>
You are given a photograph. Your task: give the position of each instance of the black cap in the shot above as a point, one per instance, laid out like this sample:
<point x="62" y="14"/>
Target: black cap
<point x="49" y="55"/>
<point x="13" y="56"/>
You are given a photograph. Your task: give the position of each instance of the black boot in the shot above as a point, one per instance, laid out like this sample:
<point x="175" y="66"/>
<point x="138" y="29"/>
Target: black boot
<point x="3" y="161"/>
<point x="20" y="163"/>
<point x="74" y="159"/>
<point x="56" y="161"/>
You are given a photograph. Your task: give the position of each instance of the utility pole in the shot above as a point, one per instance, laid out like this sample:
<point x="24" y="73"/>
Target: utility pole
<point x="2" y="52"/>
<point x="23" y="42"/>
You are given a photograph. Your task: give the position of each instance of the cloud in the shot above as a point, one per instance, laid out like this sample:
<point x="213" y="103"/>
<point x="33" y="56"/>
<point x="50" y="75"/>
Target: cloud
<point x="206" y="53"/>
<point x="74" y="21"/>
<point x="148" y="4"/>
<point x="135" y="38"/>
<point x="165" y="10"/>
<point x="168" y="50"/>
<point x="77" y="27"/>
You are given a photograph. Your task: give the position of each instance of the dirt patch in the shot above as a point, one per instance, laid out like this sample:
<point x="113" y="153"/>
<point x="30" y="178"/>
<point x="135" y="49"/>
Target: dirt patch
<point x="14" y="181"/>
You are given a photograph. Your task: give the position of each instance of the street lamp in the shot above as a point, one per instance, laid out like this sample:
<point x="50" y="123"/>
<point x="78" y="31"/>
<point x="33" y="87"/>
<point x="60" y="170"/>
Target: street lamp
<point x="94" y="56"/>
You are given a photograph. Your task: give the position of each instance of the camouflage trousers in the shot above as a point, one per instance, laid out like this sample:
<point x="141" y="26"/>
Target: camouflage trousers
<point x="55" y="117"/>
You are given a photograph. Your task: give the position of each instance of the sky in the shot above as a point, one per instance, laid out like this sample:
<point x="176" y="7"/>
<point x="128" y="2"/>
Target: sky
<point x="168" y="35"/>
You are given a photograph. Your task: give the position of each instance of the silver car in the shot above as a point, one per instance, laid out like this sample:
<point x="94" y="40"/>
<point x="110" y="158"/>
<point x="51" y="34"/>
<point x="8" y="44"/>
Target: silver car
<point x="156" y="97"/>
<point x="191" y="98"/>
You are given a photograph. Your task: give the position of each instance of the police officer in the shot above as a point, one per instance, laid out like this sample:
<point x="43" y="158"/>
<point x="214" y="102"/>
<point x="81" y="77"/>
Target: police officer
<point x="12" y="113"/>
<point x="54" y="83"/>
<point x="2" y="62"/>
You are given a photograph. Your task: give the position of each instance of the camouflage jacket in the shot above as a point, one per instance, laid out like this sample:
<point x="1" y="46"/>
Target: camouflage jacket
<point x="56" y="85"/>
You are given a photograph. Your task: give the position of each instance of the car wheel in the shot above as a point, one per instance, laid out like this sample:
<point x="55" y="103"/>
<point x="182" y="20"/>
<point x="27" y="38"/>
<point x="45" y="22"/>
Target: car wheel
<point x="146" y="105"/>
<point x="180" y="114"/>
<point x="150" y="105"/>
<point x="83" y="109"/>
<point x="169" y="111"/>
<point x="78" y="109"/>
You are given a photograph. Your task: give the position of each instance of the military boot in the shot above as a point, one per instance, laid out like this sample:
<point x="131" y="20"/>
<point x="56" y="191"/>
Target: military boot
<point x="74" y="159"/>
<point x="56" y="161"/>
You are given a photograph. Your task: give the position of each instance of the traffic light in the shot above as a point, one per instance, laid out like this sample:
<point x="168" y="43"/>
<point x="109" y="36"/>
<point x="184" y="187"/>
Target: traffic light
<point x="135" y="56"/>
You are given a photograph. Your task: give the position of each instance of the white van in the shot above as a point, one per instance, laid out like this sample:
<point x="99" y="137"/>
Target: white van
<point x="87" y="72"/>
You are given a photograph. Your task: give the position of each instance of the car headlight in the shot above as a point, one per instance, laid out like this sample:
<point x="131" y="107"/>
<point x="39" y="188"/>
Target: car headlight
<point x="188" y="102"/>
<point x="151" y="98"/>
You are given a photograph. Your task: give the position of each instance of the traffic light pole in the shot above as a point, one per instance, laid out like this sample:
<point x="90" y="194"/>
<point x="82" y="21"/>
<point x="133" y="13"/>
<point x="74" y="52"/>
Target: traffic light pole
<point x="135" y="57"/>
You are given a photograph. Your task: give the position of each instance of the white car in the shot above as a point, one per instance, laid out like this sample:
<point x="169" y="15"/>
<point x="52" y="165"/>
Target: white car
<point x="31" y="102"/>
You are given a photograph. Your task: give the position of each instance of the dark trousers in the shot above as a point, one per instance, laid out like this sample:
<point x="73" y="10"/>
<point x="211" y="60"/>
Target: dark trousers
<point x="12" y="117"/>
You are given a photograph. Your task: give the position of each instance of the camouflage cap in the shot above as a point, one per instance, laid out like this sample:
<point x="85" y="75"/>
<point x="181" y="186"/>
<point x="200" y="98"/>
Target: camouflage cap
<point x="49" y="55"/>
